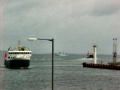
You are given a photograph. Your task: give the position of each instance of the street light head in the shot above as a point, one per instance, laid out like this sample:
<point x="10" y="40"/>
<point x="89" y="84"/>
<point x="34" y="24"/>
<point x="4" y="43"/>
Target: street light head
<point x="31" y="39"/>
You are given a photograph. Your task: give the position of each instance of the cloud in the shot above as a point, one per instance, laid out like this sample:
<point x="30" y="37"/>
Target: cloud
<point x="2" y="24"/>
<point x="106" y="7"/>
<point x="73" y="23"/>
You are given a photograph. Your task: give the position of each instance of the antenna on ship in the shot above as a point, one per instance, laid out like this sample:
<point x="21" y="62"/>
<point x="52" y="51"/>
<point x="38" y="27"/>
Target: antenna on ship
<point x="114" y="50"/>
<point x="19" y="43"/>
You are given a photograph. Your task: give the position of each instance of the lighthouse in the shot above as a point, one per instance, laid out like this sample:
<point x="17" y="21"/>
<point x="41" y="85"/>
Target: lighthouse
<point x="95" y="54"/>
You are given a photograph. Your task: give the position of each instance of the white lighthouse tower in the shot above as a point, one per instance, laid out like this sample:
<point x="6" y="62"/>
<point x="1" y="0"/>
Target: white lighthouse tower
<point x="95" y="54"/>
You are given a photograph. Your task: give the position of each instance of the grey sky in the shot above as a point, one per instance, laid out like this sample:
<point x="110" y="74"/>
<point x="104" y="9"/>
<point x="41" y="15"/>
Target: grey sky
<point x="75" y="24"/>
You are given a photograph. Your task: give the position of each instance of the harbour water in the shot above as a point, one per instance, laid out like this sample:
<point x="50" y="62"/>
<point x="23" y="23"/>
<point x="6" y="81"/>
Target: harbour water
<point x="69" y="75"/>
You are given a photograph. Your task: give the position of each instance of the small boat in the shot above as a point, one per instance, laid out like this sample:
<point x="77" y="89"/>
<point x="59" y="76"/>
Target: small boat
<point x="17" y="57"/>
<point x="61" y="54"/>
<point x="90" y="55"/>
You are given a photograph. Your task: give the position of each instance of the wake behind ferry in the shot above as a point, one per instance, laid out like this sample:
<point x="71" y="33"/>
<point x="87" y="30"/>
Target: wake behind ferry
<point x="17" y="57"/>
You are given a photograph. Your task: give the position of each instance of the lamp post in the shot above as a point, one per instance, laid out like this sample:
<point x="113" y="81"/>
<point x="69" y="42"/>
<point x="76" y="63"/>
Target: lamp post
<point x="52" y="40"/>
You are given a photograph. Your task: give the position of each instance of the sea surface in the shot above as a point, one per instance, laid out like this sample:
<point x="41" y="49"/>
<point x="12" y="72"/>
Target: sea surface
<point x="69" y="74"/>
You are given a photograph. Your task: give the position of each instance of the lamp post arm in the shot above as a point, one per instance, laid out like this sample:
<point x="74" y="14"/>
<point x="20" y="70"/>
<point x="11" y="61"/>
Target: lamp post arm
<point x="45" y="39"/>
<point x="33" y="39"/>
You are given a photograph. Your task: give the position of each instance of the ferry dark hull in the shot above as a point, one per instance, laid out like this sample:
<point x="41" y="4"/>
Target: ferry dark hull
<point x="17" y="63"/>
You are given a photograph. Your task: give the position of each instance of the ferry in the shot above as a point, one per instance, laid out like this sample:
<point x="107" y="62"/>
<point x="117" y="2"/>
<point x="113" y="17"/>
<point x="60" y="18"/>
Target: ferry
<point x="17" y="57"/>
